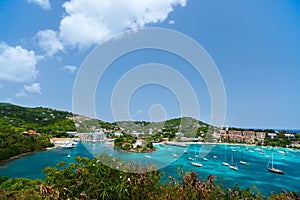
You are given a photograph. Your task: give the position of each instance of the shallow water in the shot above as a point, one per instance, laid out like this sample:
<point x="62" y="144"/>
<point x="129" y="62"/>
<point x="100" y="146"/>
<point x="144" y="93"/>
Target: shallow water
<point x="31" y="166"/>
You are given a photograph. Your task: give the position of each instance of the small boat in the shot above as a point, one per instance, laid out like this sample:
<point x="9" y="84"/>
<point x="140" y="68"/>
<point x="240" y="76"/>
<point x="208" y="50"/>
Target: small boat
<point x="282" y="152"/>
<point x="234" y="150"/>
<point x="251" y="151"/>
<point x="215" y="157"/>
<point x="185" y="152"/>
<point x="69" y="156"/>
<point x="205" y="159"/>
<point x="233" y="167"/>
<point x="272" y="169"/>
<point x="191" y="158"/>
<point x="196" y="164"/>
<point x="175" y="155"/>
<point x="243" y="162"/>
<point x="147" y="156"/>
<point x="225" y="163"/>
<point x="68" y="146"/>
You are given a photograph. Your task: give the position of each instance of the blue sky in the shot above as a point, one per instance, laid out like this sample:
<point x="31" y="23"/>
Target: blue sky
<point x="255" y="45"/>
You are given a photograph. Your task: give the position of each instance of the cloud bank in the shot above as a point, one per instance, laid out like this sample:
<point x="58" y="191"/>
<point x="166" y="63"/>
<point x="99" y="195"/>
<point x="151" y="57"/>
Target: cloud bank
<point x="88" y="22"/>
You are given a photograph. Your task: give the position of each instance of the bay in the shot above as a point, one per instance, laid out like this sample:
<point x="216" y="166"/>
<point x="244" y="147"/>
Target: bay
<point x="255" y="173"/>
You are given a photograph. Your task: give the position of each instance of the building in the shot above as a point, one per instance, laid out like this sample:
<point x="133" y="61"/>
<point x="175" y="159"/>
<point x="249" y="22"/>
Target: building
<point x="32" y="132"/>
<point x="179" y="134"/>
<point x="117" y="133"/>
<point x="272" y="135"/>
<point x="260" y="136"/>
<point x="140" y="142"/>
<point x="235" y="135"/>
<point x="289" y="136"/>
<point x="249" y="136"/>
<point x="125" y="144"/>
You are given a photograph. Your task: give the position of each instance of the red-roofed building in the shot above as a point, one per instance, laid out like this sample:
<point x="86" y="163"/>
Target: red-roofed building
<point x="125" y="144"/>
<point x="32" y="132"/>
<point x="235" y="135"/>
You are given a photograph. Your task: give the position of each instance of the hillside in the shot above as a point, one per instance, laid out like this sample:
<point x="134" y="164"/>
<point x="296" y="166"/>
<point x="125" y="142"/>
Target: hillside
<point x="17" y="119"/>
<point x="24" y="130"/>
<point x="16" y="122"/>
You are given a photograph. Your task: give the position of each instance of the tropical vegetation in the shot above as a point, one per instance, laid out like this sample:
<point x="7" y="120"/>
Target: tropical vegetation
<point x="24" y="130"/>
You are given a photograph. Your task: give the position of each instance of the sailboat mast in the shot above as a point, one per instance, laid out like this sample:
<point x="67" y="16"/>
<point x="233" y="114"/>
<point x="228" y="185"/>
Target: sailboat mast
<point x="272" y="161"/>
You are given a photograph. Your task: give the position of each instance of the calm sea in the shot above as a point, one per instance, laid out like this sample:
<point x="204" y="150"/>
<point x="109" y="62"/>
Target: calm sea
<point x="255" y="174"/>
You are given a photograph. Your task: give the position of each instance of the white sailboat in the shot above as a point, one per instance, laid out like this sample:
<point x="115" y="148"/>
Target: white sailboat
<point x="195" y="163"/>
<point x="175" y="154"/>
<point x="272" y="169"/>
<point x="241" y="161"/>
<point x="232" y="166"/>
<point x="225" y="163"/>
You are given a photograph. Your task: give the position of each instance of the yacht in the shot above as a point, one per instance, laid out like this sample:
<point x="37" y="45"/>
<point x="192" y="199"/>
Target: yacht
<point x="272" y="169"/>
<point x="233" y="167"/>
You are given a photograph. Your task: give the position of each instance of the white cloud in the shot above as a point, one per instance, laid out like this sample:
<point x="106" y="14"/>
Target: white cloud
<point x="45" y="4"/>
<point x="49" y="41"/>
<point x="89" y="22"/>
<point x="34" y="88"/>
<point x="17" y="64"/>
<point x="72" y="69"/>
<point x="171" y="22"/>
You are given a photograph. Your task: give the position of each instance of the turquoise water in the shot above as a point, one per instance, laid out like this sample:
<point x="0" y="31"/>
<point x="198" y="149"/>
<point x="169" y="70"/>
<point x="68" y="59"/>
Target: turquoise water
<point x="31" y="166"/>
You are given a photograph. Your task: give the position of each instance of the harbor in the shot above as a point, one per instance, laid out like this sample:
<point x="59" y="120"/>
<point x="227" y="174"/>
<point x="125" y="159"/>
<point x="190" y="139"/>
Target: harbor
<point x="256" y="172"/>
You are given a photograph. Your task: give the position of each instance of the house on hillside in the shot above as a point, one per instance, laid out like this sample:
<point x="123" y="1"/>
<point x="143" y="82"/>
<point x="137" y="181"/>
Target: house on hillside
<point x="272" y="135"/>
<point x="32" y="132"/>
<point x="140" y="142"/>
<point x="289" y="136"/>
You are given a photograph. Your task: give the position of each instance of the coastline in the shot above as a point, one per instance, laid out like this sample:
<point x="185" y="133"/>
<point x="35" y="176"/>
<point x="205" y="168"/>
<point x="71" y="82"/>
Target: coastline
<point x="4" y="162"/>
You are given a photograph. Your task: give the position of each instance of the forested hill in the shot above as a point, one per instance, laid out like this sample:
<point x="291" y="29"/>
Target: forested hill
<point x="24" y="130"/>
<point x="17" y="119"/>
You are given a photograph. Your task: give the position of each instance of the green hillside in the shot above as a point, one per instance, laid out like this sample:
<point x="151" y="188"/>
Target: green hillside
<point x="16" y="121"/>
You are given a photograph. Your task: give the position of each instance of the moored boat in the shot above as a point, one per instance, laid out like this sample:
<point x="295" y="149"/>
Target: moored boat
<point x="272" y="169"/>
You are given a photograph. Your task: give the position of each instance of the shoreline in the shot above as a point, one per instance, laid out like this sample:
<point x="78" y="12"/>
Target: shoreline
<point x="4" y="162"/>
